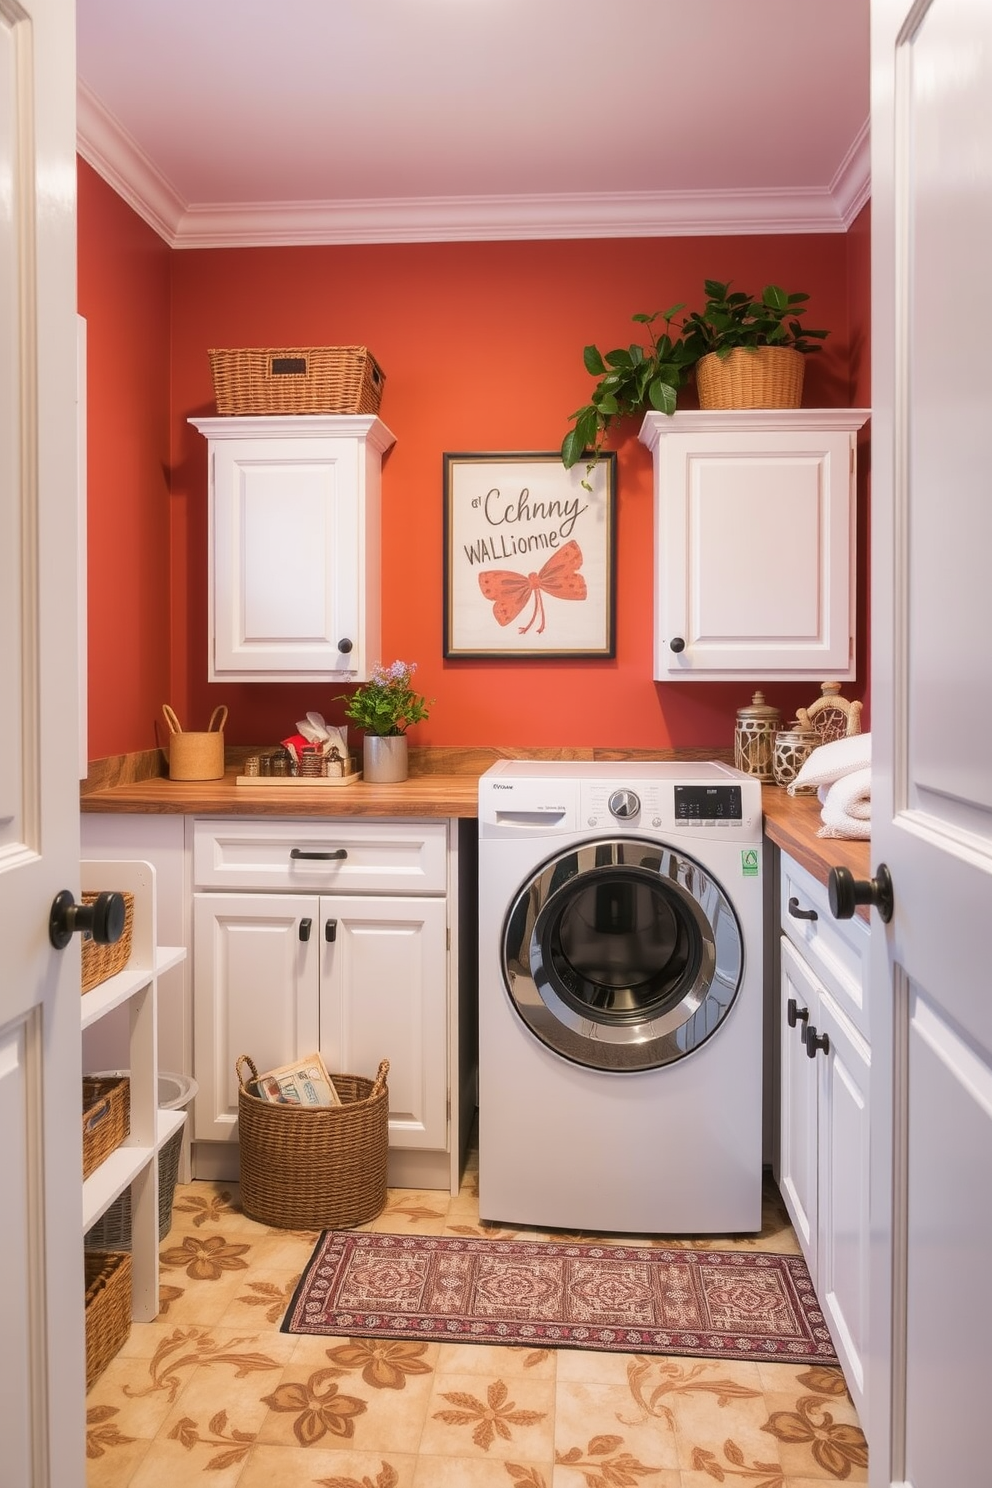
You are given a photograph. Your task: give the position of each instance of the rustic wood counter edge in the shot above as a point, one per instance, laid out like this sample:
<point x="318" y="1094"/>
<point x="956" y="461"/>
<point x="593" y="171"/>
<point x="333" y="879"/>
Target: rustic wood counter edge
<point x="443" y="782"/>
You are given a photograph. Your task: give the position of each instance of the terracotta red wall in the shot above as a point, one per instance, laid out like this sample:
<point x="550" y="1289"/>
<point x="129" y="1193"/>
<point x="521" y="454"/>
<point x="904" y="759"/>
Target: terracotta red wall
<point x="124" y="295"/>
<point x="482" y="348"/>
<point x="481" y="344"/>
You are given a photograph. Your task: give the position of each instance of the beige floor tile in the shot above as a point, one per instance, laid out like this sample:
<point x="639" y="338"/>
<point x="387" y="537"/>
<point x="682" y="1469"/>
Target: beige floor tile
<point x="472" y="1472"/>
<point x="817" y="1436"/>
<point x="335" y="1407"/>
<point x="298" y="1467"/>
<point x="112" y="1458"/>
<point x="170" y="1463"/>
<point x="493" y="1417"/>
<point x="592" y="1367"/>
<point x="505" y="1363"/>
<point x="588" y="1415"/>
<point x="588" y="1469"/>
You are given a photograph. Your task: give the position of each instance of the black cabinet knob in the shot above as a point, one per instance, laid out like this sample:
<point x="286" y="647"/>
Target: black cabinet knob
<point x="306" y="925"/>
<point x="331" y="931"/>
<point x="846" y="892"/>
<point x="816" y="1041"/>
<point x="677" y="643"/>
<point x="345" y="645"/>
<point x="103" y="919"/>
<point x="794" y="1013"/>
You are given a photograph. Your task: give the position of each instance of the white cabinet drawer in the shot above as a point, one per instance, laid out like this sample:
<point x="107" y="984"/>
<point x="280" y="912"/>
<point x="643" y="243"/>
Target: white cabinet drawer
<point x="355" y="857"/>
<point x="836" y="949"/>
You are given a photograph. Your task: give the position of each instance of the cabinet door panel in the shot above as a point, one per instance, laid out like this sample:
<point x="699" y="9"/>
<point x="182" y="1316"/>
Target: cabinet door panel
<point x="285" y="555"/>
<point x="797" y="1177"/>
<point x="842" y="1245"/>
<point x="383" y="995"/>
<point x="255" y="995"/>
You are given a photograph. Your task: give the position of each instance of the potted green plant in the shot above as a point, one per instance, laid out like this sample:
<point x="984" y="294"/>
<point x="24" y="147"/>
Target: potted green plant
<point x="385" y="707"/>
<point x="733" y="334"/>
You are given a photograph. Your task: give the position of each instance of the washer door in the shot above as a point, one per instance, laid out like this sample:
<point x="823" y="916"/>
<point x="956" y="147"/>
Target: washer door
<point x="622" y="955"/>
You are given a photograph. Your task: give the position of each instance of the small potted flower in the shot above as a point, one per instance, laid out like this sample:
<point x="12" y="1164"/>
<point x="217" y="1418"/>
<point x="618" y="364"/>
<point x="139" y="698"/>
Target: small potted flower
<point x="385" y="706"/>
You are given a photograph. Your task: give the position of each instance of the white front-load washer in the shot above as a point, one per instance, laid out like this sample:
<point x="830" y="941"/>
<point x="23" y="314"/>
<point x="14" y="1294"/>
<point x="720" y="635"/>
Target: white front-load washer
<point x="620" y="997"/>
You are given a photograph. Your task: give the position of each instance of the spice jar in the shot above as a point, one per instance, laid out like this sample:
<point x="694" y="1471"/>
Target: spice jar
<point x="311" y="764"/>
<point x="754" y="737"/>
<point x="793" y="747"/>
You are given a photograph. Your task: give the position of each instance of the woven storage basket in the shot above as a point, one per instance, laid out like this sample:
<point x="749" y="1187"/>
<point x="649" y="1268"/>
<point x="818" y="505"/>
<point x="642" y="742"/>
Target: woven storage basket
<point x="303" y="379"/>
<point x="106" y="1118"/>
<point x="103" y="961"/>
<point x="314" y="1167"/>
<point x="767" y="377"/>
<point x="200" y="755"/>
<point x="108" y="1308"/>
<point x="112" y="1230"/>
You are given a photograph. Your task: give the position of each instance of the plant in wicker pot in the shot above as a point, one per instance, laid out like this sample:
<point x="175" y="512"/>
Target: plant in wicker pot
<point x="746" y="351"/>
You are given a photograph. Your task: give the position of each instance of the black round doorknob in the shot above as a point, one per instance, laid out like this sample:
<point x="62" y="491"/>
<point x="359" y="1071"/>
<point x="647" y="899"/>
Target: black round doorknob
<point x="677" y="643"/>
<point x="103" y="919"/>
<point x="345" y="645"/>
<point x="816" y="1041"/>
<point x="846" y="892"/>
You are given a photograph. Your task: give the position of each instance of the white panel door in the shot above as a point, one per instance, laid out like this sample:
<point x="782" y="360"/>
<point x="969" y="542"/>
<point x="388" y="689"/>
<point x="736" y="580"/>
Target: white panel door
<point x="797" y="1175"/>
<point x="930" y="1008"/>
<point x="842" y="1070"/>
<point x="383" y="995"/>
<point x="255" y="974"/>
<point x="42" y="1376"/>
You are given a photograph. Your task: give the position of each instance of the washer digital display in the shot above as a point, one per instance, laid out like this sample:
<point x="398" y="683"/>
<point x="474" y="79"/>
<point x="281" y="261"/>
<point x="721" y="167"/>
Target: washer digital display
<point x="708" y="803"/>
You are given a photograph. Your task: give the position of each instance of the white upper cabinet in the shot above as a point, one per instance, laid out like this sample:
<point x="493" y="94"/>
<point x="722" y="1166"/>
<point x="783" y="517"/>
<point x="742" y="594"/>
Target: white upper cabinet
<point x="754" y="543"/>
<point x="294" y="546"/>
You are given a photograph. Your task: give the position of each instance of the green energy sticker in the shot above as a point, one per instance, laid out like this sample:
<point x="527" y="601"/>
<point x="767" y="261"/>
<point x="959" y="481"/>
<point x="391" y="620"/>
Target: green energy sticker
<point x="749" y="862"/>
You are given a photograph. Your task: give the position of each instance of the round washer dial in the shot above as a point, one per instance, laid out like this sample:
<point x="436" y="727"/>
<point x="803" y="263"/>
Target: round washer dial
<point x="624" y="804"/>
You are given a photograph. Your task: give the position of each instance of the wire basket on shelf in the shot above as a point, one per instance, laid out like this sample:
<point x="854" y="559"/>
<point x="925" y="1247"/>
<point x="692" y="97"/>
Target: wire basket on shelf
<point x="314" y="1167"/>
<point x="112" y="1231"/>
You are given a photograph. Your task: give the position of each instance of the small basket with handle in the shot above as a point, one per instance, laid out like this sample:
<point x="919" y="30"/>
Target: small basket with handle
<point x="196" y="756"/>
<point x="314" y="1167"/>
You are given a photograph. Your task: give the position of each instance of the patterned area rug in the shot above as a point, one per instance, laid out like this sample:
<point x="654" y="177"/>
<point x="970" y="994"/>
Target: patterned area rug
<point x="542" y="1294"/>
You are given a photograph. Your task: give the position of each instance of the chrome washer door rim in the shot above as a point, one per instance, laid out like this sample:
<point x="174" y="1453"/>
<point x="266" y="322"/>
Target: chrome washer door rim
<point x="655" y="1026"/>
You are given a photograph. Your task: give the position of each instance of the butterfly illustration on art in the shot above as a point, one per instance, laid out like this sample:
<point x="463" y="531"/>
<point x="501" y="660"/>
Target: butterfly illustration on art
<point x="510" y="591"/>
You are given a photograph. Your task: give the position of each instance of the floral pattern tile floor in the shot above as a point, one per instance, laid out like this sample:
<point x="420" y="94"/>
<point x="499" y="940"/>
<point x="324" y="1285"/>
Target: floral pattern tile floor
<point x="213" y="1393"/>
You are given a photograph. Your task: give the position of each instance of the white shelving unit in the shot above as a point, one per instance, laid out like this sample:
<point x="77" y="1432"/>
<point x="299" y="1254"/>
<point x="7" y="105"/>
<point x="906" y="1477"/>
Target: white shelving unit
<point x="135" y="1162"/>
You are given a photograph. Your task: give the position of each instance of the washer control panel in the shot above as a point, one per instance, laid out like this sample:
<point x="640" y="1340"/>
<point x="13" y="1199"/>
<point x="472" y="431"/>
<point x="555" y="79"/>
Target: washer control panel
<point x="708" y="803"/>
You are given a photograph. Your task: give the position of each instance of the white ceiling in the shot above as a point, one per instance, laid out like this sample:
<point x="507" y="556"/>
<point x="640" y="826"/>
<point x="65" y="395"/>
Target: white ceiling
<point x="237" y="122"/>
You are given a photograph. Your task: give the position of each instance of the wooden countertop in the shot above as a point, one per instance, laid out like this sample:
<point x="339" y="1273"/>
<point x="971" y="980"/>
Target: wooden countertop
<point x="792" y="822"/>
<point x="419" y="796"/>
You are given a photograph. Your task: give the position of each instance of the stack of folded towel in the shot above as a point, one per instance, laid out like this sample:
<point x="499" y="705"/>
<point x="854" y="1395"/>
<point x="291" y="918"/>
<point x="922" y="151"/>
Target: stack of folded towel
<point x="841" y="773"/>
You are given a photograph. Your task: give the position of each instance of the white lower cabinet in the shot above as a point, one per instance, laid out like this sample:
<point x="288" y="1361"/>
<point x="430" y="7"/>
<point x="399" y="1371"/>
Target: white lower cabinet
<point x="824" y="1067"/>
<point x="330" y="935"/>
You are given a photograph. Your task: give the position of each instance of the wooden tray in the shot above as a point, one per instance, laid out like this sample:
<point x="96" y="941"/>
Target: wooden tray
<point x="314" y="782"/>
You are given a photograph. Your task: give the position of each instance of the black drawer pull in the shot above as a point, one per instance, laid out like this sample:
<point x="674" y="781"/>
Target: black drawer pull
<point x="331" y="931"/>
<point x="794" y="1013"/>
<point x="801" y="914"/>
<point x="305" y="927"/>
<point x="816" y="1041"/>
<point x="322" y="857"/>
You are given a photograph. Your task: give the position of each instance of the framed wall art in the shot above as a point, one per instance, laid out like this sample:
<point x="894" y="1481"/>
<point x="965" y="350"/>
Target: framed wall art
<point x="529" y="556"/>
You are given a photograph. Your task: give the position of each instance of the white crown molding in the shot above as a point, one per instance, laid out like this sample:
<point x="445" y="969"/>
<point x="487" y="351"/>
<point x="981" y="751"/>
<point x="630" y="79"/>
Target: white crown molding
<point x="851" y="186"/>
<point x="105" y="144"/>
<point x="114" y="154"/>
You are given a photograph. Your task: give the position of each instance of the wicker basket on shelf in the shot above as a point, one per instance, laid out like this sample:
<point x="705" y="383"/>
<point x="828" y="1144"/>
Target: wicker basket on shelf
<point x="760" y="377"/>
<point x="106" y="1118"/>
<point x="314" y="1167"/>
<point x="108" y="1308"/>
<point x="100" y="962"/>
<point x="303" y="379"/>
